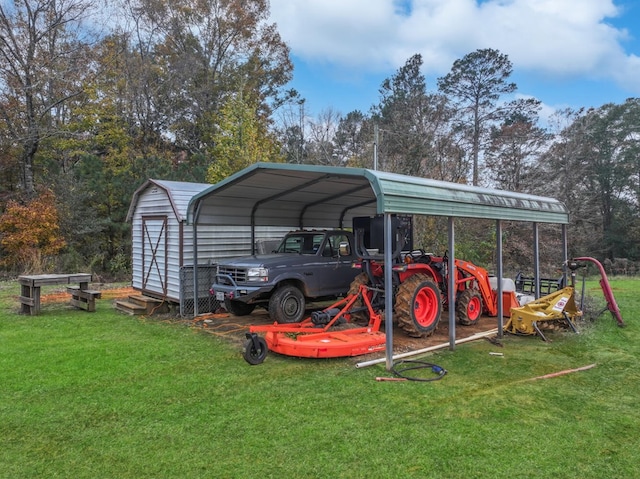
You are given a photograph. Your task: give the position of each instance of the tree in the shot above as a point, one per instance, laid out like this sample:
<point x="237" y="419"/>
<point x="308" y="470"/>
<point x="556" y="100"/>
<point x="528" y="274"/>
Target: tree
<point x="414" y="125"/>
<point x="321" y="146"/>
<point x="289" y="126"/>
<point x="399" y="115"/>
<point x="513" y="149"/>
<point x="190" y="54"/>
<point x="43" y="61"/>
<point x="354" y="140"/>
<point x="476" y="82"/>
<point x="240" y="141"/>
<point x="593" y="168"/>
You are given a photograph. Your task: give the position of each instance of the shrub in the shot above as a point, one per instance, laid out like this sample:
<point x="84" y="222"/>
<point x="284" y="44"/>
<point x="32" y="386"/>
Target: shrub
<point x="29" y="234"/>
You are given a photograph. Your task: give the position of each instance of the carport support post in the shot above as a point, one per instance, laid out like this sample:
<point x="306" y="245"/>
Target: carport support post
<point x="452" y="285"/>
<point x="195" y="268"/>
<point x="499" y="273"/>
<point x="565" y="256"/>
<point x="388" y="292"/>
<point x="536" y="259"/>
<point x="196" y="216"/>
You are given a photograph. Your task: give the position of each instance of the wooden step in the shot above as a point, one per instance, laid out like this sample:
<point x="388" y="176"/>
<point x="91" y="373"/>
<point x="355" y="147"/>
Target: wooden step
<point x="130" y="308"/>
<point x="140" y="304"/>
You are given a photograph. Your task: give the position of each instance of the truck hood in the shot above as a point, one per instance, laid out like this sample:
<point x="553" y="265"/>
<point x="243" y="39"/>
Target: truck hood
<point x="263" y="260"/>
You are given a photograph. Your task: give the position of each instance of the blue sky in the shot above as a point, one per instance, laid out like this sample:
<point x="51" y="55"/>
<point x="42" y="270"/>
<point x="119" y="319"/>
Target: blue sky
<point x="565" y="53"/>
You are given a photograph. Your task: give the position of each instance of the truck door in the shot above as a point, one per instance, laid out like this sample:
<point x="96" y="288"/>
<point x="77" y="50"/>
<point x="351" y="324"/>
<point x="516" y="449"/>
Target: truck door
<point x="337" y="273"/>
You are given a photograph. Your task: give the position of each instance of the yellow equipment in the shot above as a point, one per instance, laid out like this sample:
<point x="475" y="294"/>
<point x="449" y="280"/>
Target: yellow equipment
<point x="549" y="312"/>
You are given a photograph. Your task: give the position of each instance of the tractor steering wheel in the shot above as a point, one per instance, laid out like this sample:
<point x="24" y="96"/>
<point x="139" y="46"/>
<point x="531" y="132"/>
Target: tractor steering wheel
<point x="420" y="256"/>
<point x="416" y="253"/>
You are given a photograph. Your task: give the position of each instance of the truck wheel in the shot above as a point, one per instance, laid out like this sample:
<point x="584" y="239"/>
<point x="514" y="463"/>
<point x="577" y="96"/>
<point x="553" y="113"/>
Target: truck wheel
<point x="469" y="307"/>
<point x="287" y="304"/>
<point x="418" y="305"/>
<point x="238" y="308"/>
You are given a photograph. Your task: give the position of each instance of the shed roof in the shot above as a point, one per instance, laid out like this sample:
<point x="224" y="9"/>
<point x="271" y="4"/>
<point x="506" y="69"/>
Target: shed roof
<point x="179" y="194"/>
<point x="321" y="196"/>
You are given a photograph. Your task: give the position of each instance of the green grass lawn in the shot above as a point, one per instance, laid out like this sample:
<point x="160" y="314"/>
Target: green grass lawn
<point x="106" y="395"/>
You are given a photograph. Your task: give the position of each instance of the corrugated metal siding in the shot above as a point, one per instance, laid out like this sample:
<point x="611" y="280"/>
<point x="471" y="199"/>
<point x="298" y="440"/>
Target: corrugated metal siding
<point x="170" y="199"/>
<point x="153" y="202"/>
<point x="215" y="242"/>
<point x="304" y="196"/>
<point x="428" y="197"/>
<point x="219" y="242"/>
<point x="180" y="193"/>
<point x="285" y="194"/>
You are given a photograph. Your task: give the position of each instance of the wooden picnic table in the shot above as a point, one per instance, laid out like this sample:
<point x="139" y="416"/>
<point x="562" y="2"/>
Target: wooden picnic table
<point x="81" y="295"/>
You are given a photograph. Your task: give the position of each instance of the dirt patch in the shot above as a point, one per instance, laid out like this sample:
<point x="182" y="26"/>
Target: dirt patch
<point x="234" y="329"/>
<point x="61" y="296"/>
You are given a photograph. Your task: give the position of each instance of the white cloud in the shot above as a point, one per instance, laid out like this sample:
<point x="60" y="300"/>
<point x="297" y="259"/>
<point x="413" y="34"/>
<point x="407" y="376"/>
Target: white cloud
<point x="557" y="38"/>
<point x="335" y="31"/>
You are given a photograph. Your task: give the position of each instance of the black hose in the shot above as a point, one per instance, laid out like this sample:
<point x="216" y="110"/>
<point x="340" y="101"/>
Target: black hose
<point x="439" y="371"/>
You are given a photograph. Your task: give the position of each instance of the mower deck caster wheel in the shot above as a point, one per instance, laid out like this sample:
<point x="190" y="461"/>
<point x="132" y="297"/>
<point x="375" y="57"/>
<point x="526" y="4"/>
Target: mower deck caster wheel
<point x="255" y="349"/>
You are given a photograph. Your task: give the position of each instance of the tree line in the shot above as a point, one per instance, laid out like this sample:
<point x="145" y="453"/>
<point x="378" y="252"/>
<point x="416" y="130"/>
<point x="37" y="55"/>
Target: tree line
<point x="91" y="105"/>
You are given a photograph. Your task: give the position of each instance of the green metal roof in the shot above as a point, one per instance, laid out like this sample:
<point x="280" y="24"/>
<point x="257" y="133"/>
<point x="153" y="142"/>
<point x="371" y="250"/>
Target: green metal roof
<point x="411" y="195"/>
<point x="322" y="196"/>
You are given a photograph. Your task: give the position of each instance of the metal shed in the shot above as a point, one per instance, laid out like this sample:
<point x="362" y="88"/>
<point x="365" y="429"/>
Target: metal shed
<point x="161" y="241"/>
<point x="298" y="196"/>
<point x="162" y="244"/>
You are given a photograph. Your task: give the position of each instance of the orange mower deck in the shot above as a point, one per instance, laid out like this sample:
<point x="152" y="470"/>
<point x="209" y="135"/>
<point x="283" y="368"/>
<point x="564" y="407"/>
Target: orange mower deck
<point x="326" y="344"/>
<point x="310" y="340"/>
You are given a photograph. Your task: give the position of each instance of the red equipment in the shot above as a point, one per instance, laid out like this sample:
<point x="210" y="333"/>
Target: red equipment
<point x="316" y="336"/>
<point x="420" y="284"/>
<point x="606" y="289"/>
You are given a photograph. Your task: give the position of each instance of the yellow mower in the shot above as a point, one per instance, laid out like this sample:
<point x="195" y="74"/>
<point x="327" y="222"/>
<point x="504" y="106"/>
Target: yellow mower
<point x="556" y="310"/>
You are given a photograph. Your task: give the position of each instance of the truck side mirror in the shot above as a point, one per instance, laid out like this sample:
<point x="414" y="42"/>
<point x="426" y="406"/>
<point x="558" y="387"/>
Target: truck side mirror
<point x="344" y="248"/>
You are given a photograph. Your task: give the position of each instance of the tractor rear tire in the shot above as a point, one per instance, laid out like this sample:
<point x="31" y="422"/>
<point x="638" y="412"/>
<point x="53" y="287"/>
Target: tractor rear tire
<point x="418" y="306"/>
<point x="287" y="304"/>
<point x="238" y="308"/>
<point x="354" y="288"/>
<point x="469" y="307"/>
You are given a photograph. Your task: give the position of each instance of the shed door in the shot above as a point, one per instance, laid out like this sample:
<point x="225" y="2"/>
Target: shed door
<point x="154" y="253"/>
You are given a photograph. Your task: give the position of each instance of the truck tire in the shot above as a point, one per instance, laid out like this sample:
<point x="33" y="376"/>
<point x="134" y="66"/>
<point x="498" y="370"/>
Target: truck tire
<point x="238" y="308"/>
<point x="418" y="305"/>
<point x="469" y="307"/>
<point x="287" y="304"/>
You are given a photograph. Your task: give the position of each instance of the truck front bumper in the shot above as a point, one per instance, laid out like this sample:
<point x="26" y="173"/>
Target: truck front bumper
<point x="225" y="287"/>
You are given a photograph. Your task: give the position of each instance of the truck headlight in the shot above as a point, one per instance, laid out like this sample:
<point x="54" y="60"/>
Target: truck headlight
<point x="258" y="274"/>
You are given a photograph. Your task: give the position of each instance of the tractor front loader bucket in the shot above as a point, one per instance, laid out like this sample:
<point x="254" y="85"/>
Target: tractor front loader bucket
<point x="532" y="318"/>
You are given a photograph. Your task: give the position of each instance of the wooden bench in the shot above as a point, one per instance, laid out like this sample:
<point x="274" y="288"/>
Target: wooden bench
<point x="83" y="298"/>
<point x="30" y="290"/>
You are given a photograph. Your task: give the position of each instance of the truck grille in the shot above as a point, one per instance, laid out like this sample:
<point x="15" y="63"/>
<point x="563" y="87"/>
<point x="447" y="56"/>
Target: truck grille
<point x="239" y="275"/>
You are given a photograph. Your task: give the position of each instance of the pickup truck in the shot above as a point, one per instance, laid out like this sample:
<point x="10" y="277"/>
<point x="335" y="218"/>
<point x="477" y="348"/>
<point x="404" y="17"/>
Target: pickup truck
<point x="307" y="266"/>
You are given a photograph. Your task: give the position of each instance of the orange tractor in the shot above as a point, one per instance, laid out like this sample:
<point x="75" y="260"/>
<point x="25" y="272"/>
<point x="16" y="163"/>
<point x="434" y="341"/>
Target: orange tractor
<point x="420" y="290"/>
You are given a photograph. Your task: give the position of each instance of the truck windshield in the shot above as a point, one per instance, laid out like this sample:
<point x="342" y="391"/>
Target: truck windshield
<point x="301" y="243"/>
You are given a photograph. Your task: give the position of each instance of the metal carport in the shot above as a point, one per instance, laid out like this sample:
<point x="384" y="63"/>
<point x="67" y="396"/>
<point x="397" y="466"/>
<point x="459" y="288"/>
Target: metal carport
<point x="300" y="196"/>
